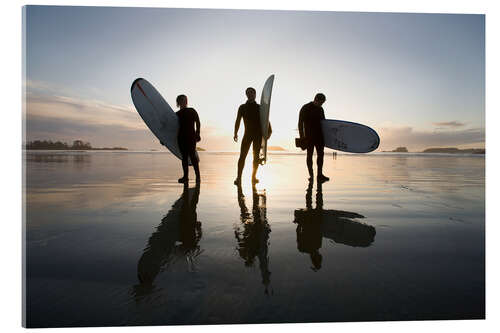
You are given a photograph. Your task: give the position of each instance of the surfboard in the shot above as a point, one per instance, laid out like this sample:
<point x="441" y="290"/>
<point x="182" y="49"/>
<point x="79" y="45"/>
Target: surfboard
<point x="157" y="114"/>
<point x="265" y="104"/>
<point x="349" y="137"/>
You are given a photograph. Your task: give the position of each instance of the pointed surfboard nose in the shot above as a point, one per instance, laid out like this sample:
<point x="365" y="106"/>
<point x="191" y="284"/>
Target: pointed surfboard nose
<point x="136" y="81"/>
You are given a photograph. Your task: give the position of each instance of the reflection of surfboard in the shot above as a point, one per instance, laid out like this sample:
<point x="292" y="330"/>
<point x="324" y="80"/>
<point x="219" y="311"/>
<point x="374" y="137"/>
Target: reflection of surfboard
<point x="337" y="225"/>
<point x="265" y="104"/>
<point x="157" y="114"/>
<point x="349" y="137"/>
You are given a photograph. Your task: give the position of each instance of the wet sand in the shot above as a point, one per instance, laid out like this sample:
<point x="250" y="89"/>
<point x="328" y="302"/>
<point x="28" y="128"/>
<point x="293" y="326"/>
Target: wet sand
<point x="113" y="239"/>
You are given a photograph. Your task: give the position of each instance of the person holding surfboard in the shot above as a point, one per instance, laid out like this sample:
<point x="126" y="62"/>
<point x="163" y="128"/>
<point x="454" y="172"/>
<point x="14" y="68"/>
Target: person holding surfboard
<point x="310" y="131"/>
<point x="250" y="112"/>
<point x="188" y="136"/>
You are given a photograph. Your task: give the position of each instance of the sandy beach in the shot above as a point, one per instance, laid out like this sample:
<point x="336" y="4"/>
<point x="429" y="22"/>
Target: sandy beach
<point x="113" y="239"/>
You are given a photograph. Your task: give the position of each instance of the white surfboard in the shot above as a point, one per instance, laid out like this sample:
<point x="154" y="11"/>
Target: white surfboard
<point x="157" y="114"/>
<point x="349" y="137"/>
<point x="265" y="104"/>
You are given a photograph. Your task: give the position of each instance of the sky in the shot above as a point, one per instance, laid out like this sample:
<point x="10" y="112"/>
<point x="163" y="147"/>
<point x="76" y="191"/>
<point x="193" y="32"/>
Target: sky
<point x="417" y="79"/>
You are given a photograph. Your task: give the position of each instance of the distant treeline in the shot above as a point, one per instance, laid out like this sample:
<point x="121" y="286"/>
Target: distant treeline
<point x="58" y="145"/>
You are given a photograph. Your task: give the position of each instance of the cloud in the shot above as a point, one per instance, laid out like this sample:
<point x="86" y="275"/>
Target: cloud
<point x="450" y="124"/>
<point x="102" y="124"/>
<point x="99" y="135"/>
<point x="414" y="139"/>
<point x="62" y="117"/>
<point x="31" y="85"/>
<point x="112" y="135"/>
<point x="66" y="118"/>
<point x="81" y="110"/>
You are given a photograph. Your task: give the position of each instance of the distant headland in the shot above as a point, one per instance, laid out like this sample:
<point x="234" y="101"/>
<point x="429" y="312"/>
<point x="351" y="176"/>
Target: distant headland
<point x="455" y="150"/>
<point x="58" y="145"/>
<point x="449" y="150"/>
<point x="397" y="150"/>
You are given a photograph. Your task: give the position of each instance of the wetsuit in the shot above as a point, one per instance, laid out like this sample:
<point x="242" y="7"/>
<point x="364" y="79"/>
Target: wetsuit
<point x="310" y="117"/>
<point x="253" y="133"/>
<point x="187" y="137"/>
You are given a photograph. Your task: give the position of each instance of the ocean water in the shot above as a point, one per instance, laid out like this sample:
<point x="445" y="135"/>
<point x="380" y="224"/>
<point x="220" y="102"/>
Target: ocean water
<point x="112" y="239"/>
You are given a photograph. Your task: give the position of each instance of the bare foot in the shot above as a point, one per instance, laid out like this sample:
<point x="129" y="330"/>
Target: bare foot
<point x="323" y="178"/>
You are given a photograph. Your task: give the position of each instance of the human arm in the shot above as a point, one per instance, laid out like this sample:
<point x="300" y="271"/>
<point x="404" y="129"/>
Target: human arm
<point x="237" y="124"/>
<point x="197" y="126"/>
<point x="301" y="123"/>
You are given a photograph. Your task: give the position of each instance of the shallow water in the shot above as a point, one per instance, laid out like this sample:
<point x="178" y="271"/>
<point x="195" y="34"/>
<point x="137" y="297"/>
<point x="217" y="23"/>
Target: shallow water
<point x="113" y="239"/>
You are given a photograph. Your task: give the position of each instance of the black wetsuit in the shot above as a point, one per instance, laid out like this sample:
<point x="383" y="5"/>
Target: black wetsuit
<point x="250" y="112"/>
<point x="310" y="117"/>
<point x="187" y="134"/>
<point x="187" y="138"/>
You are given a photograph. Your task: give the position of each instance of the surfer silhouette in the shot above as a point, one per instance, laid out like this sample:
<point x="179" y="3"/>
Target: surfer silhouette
<point x="252" y="136"/>
<point x="310" y="117"/>
<point x="187" y="137"/>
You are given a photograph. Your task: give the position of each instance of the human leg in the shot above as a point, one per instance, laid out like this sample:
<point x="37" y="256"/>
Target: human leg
<point x="256" y="145"/>
<point x="245" y="146"/>
<point x="195" y="162"/>
<point x="319" y="158"/>
<point x="309" y="161"/>
<point x="185" y="169"/>
<point x="319" y="162"/>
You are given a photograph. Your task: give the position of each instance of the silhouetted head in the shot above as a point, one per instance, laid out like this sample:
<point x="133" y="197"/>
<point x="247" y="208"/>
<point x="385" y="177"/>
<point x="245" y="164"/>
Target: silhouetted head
<point x="319" y="99"/>
<point x="182" y="101"/>
<point x="250" y="92"/>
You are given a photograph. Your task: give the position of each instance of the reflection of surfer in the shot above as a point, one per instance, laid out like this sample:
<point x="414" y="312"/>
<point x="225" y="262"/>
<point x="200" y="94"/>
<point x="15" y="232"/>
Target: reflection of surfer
<point x="309" y="236"/>
<point x="337" y="225"/>
<point x="179" y="225"/>
<point x="253" y="133"/>
<point x="310" y="130"/>
<point x="188" y="136"/>
<point x="253" y="237"/>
